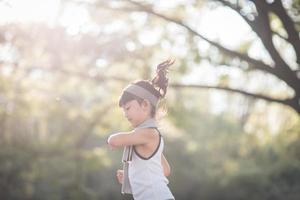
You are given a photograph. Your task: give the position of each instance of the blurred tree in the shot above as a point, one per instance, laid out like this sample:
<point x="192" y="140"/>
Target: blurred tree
<point x="59" y="90"/>
<point x="259" y="15"/>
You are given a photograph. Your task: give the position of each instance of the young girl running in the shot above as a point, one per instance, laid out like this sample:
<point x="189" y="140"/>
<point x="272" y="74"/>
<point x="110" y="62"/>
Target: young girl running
<point x="144" y="166"/>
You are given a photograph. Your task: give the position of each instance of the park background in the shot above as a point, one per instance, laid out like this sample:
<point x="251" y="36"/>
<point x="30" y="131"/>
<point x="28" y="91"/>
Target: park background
<point x="232" y="127"/>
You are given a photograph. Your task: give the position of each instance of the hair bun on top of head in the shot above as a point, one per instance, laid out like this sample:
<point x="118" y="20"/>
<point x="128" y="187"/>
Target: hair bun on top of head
<point x="160" y="81"/>
<point x="140" y="89"/>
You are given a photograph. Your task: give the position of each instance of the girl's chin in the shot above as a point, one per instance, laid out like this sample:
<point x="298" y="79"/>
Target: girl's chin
<point x="132" y="123"/>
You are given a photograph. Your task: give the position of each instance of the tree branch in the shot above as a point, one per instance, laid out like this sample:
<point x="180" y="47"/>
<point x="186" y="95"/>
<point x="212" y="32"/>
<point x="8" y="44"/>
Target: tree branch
<point x="279" y="35"/>
<point x="257" y="64"/>
<point x="289" y="25"/>
<point x="251" y="95"/>
<point x="288" y="101"/>
<point x="261" y="25"/>
<point x="238" y="9"/>
<point x="174" y="85"/>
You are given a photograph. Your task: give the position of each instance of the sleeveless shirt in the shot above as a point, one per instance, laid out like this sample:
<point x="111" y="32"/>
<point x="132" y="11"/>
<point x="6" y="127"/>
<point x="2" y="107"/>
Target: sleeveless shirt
<point x="146" y="175"/>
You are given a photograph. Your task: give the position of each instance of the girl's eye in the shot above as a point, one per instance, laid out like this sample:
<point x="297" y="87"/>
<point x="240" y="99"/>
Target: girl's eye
<point x="127" y="108"/>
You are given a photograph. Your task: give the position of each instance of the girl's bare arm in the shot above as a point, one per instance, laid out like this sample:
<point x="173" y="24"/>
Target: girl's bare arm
<point x="136" y="137"/>
<point x="165" y="165"/>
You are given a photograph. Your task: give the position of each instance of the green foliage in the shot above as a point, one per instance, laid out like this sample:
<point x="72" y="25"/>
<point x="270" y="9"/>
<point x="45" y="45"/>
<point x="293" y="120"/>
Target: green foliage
<point x="59" y="102"/>
<point x="55" y="149"/>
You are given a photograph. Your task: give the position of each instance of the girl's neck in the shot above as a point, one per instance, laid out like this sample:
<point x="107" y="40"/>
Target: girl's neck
<point x="147" y="120"/>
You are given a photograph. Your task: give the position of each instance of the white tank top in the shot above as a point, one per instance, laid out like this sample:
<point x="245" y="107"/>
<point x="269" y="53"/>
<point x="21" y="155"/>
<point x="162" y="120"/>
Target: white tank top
<point x="146" y="176"/>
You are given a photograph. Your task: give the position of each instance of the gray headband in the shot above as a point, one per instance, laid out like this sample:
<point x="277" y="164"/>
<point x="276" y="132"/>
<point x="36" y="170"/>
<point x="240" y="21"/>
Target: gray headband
<point x="142" y="93"/>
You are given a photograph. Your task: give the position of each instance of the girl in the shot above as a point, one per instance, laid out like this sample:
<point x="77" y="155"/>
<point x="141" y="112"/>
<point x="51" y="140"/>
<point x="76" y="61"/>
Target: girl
<point x="144" y="166"/>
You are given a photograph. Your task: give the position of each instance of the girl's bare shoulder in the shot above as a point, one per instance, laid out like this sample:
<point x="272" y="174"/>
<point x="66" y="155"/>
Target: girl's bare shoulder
<point x="149" y="132"/>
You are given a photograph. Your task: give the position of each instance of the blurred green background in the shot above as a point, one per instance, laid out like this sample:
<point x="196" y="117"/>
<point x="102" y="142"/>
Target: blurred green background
<point x="232" y="130"/>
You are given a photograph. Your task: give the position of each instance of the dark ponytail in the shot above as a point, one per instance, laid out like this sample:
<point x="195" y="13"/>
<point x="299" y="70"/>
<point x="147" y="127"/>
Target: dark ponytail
<point x="160" y="81"/>
<point x="157" y="86"/>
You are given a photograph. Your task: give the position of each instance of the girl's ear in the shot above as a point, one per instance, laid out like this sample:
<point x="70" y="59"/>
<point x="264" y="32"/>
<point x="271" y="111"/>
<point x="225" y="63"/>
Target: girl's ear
<point x="145" y="104"/>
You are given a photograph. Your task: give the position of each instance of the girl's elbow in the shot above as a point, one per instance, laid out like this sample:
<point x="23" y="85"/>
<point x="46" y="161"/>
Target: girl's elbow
<point x="167" y="172"/>
<point x="112" y="141"/>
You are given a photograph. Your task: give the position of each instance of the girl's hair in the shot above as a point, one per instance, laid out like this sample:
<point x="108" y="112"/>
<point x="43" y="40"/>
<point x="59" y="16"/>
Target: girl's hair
<point x="157" y="86"/>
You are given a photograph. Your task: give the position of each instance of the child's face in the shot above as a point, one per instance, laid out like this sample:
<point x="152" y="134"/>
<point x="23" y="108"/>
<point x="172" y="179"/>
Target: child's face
<point x="135" y="113"/>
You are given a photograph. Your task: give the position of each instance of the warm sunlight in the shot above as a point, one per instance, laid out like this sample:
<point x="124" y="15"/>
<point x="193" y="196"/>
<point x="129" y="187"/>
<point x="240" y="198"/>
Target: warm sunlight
<point x="230" y="29"/>
<point x="149" y="99"/>
<point x="29" y="10"/>
<point x="224" y="25"/>
<point x="70" y="15"/>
